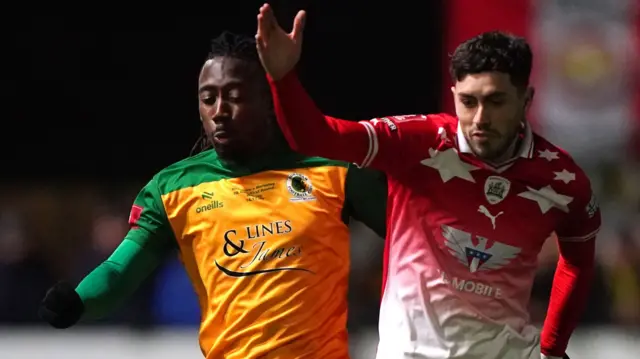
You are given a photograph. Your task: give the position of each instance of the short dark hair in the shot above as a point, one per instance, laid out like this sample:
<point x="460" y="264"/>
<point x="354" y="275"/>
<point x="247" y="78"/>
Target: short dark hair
<point x="493" y="51"/>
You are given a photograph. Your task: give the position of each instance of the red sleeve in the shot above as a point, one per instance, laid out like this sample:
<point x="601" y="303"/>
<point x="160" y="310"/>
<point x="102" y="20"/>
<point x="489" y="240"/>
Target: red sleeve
<point x="572" y="280"/>
<point x="378" y="143"/>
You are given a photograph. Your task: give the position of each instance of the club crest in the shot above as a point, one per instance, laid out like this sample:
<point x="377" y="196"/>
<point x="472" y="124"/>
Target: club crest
<point x="300" y="187"/>
<point x="496" y="189"/>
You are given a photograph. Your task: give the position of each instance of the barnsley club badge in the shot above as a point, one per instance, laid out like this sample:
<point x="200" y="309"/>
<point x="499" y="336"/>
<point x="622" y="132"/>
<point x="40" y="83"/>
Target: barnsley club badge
<point x="496" y="189"/>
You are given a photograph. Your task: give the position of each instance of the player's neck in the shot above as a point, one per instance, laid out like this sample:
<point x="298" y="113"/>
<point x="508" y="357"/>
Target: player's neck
<point x="509" y="153"/>
<point x="263" y="151"/>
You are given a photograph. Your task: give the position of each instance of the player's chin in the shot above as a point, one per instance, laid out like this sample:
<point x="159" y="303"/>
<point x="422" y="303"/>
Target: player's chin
<point x="225" y="147"/>
<point x="482" y="149"/>
<point x="486" y="152"/>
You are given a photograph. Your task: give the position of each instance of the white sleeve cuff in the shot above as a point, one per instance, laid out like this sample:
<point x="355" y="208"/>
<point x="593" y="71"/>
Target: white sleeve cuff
<point x="373" y="144"/>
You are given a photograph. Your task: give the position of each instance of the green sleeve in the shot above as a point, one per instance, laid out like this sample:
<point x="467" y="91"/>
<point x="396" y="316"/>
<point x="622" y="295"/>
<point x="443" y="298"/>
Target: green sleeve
<point x="366" y="198"/>
<point x="149" y="240"/>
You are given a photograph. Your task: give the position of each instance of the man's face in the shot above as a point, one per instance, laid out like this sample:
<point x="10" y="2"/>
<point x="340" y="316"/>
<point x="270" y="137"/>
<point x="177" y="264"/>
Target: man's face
<point x="491" y="112"/>
<point x="233" y="107"/>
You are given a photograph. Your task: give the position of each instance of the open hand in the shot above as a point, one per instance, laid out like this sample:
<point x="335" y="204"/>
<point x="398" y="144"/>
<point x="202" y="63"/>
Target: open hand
<point x="279" y="51"/>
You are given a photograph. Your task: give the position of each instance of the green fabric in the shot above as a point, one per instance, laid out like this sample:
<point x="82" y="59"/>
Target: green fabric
<point x="151" y="238"/>
<point x="107" y="286"/>
<point x="148" y="242"/>
<point x="366" y="198"/>
<point x="207" y="167"/>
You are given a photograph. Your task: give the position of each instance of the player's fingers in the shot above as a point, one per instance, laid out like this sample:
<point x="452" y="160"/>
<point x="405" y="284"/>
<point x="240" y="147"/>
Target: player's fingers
<point x="263" y="30"/>
<point x="298" y="25"/>
<point x="259" y="43"/>
<point x="263" y="25"/>
<point x="261" y="46"/>
<point x="269" y="17"/>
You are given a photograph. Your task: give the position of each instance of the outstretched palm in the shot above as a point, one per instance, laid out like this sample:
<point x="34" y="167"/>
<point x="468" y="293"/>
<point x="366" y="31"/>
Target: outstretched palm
<point x="279" y="51"/>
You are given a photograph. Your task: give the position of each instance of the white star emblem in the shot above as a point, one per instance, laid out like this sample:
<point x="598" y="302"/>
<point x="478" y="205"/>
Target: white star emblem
<point x="442" y="133"/>
<point x="547" y="197"/>
<point x="548" y="155"/>
<point x="565" y="176"/>
<point x="449" y="165"/>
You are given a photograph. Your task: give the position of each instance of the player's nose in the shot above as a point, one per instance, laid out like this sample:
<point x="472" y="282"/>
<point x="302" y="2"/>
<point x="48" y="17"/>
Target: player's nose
<point x="222" y="109"/>
<point x="481" y="117"/>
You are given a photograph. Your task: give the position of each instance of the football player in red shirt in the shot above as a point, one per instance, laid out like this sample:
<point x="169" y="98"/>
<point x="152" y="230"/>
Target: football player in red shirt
<point x="472" y="199"/>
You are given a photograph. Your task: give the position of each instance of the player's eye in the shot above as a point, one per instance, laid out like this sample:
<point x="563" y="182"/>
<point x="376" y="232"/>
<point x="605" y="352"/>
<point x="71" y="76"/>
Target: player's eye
<point x="209" y="101"/>
<point x="468" y="103"/>
<point x="234" y="96"/>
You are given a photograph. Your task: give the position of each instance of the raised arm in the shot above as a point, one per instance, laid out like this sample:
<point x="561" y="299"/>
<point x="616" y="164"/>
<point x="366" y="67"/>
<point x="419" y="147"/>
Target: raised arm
<point x="377" y="143"/>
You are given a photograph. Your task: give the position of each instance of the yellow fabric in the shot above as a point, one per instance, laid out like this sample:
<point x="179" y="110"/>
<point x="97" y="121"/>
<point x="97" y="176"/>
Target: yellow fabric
<point x="276" y="287"/>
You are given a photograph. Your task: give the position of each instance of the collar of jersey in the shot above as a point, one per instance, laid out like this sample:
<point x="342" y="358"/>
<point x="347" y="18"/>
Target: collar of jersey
<point x="525" y="150"/>
<point x="275" y="158"/>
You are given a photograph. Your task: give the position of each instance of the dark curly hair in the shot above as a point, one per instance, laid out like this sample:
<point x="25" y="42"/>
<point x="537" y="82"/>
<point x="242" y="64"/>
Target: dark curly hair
<point x="494" y="51"/>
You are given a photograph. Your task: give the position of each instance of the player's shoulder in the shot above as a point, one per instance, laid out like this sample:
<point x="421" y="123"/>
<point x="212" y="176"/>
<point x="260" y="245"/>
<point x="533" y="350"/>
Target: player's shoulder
<point x="207" y="167"/>
<point x="435" y="119"/>
<point x="191" y="171"/>
<point x="443" y="120"/>
<point x="446" y="125"/>
<point x="310" y="162"/>
<point x="551" y="154"/>
<point x="561" y="166"/>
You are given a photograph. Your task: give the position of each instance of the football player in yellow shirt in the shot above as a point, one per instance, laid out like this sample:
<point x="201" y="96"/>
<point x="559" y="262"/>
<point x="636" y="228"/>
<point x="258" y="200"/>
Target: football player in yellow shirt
<point x="262" y="231"/>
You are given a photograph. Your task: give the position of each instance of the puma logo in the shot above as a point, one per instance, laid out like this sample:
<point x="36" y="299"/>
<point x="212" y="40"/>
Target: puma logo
<point x="482" y="209"/>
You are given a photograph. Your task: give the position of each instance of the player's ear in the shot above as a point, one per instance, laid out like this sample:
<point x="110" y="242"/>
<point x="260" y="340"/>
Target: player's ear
<point x="528" y="99"/>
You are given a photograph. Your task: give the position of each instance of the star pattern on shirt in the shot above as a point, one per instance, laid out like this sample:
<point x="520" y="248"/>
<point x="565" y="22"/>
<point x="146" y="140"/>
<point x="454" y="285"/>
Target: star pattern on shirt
<point x="547" y="198"/>
<point x="449" y="164"/>
<point x="548" y="155"/>
<point x="442" y="133"/>
<point x="565" y="176"/>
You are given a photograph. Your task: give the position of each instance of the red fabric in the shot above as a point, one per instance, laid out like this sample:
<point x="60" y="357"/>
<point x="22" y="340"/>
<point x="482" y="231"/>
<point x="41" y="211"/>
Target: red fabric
<point x="374" y="143"/>
<point x="134" y="215"/>
<point x="308" y="131"/>
<point x="467" y="18"/>
<point x="569" y="295"/>
<point x="382" y="143"/>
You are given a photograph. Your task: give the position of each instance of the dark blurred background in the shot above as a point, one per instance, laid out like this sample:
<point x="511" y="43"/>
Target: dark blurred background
<point x="93" y="107"/>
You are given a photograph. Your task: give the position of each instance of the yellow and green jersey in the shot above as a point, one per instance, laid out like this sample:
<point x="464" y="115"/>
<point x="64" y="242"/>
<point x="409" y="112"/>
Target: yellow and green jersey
<point x="266" y="246"/>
